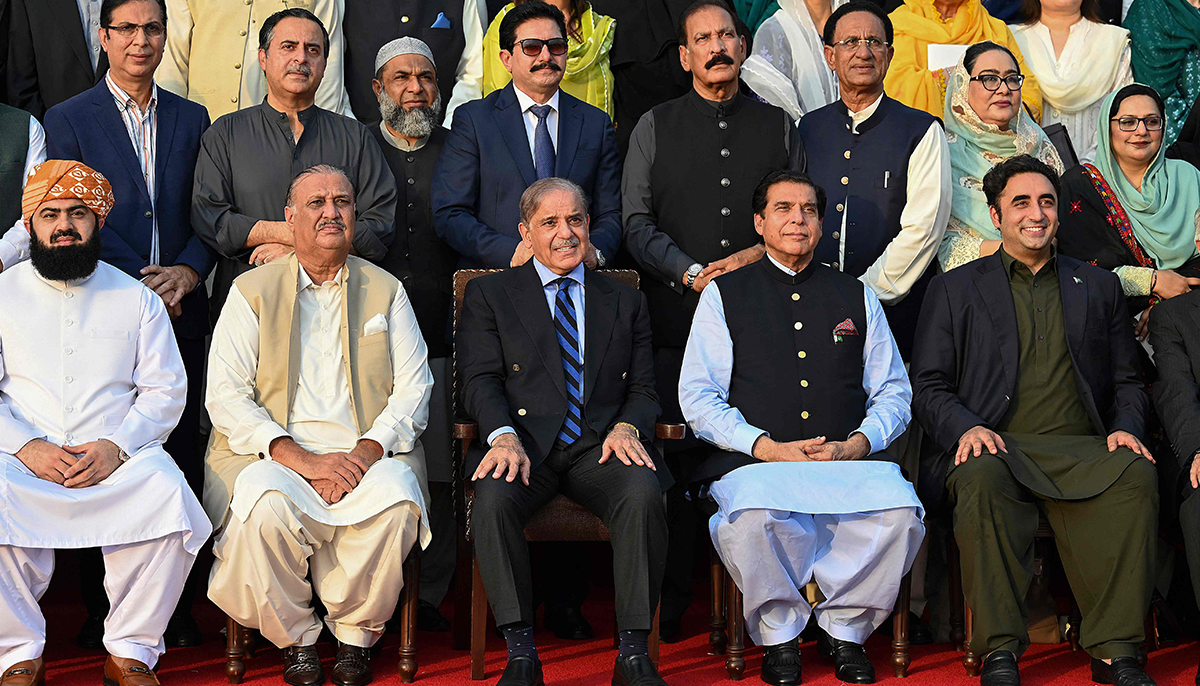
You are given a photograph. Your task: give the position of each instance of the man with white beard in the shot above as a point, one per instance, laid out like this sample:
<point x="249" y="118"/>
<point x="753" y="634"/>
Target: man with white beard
<point x="410" y="107"/>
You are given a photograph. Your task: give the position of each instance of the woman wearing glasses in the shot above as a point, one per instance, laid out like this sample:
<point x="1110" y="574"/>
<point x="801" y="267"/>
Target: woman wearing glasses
<point x="1077" y="60"/>
<point x="589" y="39"/>
<point x="1133" y="210"/>
<point x="985" y="125"/>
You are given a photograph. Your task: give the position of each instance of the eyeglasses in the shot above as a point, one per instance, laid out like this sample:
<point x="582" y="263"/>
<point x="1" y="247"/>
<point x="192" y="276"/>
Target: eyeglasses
<point x="991" y="82"/>
<point x="532" y="47"/>
<point x="128" y="31"/>
<point x="1130" y="123"/>
<point x="851" y="44"/>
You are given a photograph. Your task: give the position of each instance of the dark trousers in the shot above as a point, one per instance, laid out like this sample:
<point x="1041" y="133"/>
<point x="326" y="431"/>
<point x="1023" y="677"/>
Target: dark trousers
<point x="1106" y="543"/>
<point x="183" y="445"/>
<point x="626" y="498"/>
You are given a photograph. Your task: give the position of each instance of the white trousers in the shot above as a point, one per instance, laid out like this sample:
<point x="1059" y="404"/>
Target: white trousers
<point x="143" y="582"/>
<point x="858" y="560"/>
<point x="259" y="578"/>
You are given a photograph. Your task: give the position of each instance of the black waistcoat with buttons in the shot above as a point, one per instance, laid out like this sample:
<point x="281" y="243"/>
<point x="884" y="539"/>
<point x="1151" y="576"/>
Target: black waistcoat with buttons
<point x="868" y="171"/>
<point x="14" y="147"/>
<point x="417" y="256"/>
<point x="369" y="25"/>
<point x="707" y="161"/>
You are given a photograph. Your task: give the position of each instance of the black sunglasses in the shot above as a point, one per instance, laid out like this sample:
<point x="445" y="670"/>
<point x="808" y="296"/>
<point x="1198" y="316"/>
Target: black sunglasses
<point x="532" y="47"/>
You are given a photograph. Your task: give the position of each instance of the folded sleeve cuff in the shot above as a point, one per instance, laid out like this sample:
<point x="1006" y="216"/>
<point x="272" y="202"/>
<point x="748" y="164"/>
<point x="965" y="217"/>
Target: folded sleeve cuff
<point x="874" y="437"/>
<point x="500" y="432"/>
<point x="386" y="438"/>
<point x="260" y="442"/>
<point x="744" y="436"/>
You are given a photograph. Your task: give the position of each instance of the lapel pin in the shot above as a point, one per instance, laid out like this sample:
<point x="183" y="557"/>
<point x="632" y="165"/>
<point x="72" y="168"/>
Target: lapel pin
<point x="1077" y="279"/>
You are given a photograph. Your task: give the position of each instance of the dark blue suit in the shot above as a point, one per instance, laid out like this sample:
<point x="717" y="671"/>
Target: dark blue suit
<point x="486" y="165"/>
<point x="88" y="128"/>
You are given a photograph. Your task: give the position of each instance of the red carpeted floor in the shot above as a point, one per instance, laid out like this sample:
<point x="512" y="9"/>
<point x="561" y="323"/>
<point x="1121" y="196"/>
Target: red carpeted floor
<point x="569" y="663"/>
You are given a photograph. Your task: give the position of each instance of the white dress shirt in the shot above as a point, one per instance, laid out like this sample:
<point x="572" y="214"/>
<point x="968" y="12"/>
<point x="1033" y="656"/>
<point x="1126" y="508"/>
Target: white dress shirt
<point x="922" y="221"/>
<point x="531" y="119"/>
<point x="89" y="14"/>
<point x="575" y="292"/>
<point x="468" y="76"/>
<point x="14" y="244"/>
<point x="708" y="368"/>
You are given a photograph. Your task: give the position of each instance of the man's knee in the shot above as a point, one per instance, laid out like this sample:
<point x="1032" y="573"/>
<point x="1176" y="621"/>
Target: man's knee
<point x="982" y="478"/>
<point x="752" y="524"/>
<point x="274" y="511"/>
<point x="640" y="495"/>
<point x="1141" y="478"/>
<point x="495" y="501"/>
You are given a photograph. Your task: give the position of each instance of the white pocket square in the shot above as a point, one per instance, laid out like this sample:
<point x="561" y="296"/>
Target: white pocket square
<point x="377" y="324"/>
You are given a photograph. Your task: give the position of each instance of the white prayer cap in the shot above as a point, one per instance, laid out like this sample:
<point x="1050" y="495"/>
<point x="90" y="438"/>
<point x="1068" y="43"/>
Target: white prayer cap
<point x="403" y="46"/>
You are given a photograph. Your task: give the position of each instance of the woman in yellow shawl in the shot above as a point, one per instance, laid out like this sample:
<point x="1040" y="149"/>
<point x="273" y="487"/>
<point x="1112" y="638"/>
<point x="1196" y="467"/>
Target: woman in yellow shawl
<point x="921" y="23"/>
<point x="589" y="39"/>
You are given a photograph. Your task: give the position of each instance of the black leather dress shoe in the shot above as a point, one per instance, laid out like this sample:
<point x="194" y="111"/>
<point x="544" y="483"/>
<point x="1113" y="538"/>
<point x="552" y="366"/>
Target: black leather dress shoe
<point x="1000" y="669"/>
<point x="851" y="664"/>
<point x="781" y="664"/>
<point x="182" y="632"/>
<point x="522" y="671"/>
<point x="1124" y="671"/>
<point x="352" y="667"/>
<point x="302" y="666"/>
<point x="91" y="634"/>
<point x="430" y="619"/>
<point x="636" y="670"/>
<point x="568" y="623"/>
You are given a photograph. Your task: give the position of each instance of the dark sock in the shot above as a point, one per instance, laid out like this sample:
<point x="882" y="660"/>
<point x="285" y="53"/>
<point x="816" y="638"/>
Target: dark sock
<point x="633" y="642"/>
<point x="519" y="637"/>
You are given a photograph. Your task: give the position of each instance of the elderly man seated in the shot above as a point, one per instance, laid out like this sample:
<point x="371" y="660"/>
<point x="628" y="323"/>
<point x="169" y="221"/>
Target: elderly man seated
<point x="317" y="372"/>
<point x="91" y="384"/>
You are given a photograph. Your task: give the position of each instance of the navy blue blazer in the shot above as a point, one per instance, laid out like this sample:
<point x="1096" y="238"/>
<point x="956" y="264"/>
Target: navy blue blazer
<point x="486" y="164"/>
<point x="88" y="128"/>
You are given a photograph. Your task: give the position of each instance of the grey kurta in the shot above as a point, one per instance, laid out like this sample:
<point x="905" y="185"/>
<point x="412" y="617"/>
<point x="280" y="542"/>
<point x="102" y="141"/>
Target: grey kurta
<point x="247" y="161"/>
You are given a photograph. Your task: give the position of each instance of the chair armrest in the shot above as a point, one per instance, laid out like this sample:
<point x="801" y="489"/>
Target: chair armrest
<point x="669" y="431"/>
<point x="466" y="430"/>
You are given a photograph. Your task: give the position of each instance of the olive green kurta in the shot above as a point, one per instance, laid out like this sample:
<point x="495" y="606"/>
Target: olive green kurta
<point x="1102" y="505"/>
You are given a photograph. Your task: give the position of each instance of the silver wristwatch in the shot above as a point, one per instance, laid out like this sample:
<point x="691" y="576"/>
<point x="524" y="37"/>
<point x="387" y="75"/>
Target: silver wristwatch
<point x="689" y="277"/>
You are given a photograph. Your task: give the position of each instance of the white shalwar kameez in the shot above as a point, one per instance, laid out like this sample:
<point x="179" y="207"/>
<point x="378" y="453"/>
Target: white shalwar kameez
<point x="278" y="527"/>
<point x="82" y="361"/>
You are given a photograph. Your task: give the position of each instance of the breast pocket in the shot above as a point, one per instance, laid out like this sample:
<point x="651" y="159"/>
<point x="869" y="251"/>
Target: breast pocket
<point x="113" y="350"/>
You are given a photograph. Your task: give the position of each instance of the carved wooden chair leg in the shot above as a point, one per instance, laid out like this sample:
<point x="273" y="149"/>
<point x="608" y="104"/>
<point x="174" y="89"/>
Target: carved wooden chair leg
<point x="479" y="614"/>
<point x="235" y="651"/>
<point x="461" y="639"/>
<point x="954" y="578"/>
<point x="653" y="642"/>
<point x="735" y="663"/>
<point x="970" y="660"/>
<point x="1074" y="620"/>
<point x="410" y="599"/>
<point x="717" y="639"/>
<point x="900" y="656"/>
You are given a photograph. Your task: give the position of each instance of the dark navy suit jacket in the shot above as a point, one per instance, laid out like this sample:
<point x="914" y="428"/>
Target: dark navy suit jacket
<point x="486" y="164"/>
<point x="88" y="128"/>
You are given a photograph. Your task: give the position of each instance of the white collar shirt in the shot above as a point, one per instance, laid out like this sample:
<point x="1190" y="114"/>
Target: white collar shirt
<point x="525" y="102"/>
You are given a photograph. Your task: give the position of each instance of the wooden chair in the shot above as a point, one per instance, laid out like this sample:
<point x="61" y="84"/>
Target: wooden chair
<point x="239" y="641"/>
<point x="561" y="519"/>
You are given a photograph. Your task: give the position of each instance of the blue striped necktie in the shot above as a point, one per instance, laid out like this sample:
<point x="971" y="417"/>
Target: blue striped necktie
<point x="543" y="146"/>
<point x="567" y="327"/>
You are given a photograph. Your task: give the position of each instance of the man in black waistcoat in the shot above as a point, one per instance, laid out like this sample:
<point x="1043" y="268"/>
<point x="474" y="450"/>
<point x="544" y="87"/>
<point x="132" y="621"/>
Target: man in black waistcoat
<point x="410" y="106"/>
<point x="790" y="361"/>
<point x="689" y="174"/>
<point x="22" y="147"/>
<point x="556" y="368"/>
<point x="886" y="168"/>
<point x="448" y="28"/>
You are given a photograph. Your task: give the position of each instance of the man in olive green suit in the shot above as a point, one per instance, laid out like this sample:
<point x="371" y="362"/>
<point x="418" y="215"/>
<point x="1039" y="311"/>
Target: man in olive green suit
<point x="1024" y="373"/>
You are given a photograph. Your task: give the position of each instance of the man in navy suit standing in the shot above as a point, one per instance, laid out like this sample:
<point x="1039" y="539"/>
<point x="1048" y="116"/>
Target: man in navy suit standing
<point x="526" y="131"/>
<point x="145" y="141"/>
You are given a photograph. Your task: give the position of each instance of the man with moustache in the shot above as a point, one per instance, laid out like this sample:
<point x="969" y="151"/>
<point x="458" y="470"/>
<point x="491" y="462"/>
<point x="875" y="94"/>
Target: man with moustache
<point x="556" y="369"/>
<point x="1025" y="375"/>
<point x="410" y="106"/>
<point x="528" y="130"/>
<point x="91" y="384"/>
<point x="317" y="389"/>
<point x="689" y="174"/>
<point x="248" y="158"/>
<point x="854" y="528"/>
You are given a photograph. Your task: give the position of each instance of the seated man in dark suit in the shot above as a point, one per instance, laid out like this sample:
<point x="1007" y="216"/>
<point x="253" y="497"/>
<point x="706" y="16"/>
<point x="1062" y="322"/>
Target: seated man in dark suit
<point x="526" y="131"/>
<point x="145" y="140"/>
<point x="1025" y="376"/>
<point x="1175" y="336"/>
<point x="557" y="370"/>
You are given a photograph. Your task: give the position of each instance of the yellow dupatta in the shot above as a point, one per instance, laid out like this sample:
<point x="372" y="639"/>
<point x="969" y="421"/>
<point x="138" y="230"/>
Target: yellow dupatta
<point x="588" y="76"/>
<point x="918" y="24"/>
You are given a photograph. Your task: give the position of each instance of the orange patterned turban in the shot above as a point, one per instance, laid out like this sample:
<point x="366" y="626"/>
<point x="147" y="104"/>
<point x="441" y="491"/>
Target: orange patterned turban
<point x="54" y="179"/>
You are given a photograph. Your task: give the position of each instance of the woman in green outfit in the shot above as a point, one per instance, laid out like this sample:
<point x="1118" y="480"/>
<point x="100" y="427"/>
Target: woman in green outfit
<point x="1166" y="54"/>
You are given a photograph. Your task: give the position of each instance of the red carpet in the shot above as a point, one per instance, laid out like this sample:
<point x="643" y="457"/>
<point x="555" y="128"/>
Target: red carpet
<point x="569" y="663"/>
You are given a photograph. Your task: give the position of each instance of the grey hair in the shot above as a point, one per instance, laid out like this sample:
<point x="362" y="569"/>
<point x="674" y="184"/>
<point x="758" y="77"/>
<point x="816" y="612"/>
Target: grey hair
<point x="532" y="198"/>
<point x="316" y="169"/>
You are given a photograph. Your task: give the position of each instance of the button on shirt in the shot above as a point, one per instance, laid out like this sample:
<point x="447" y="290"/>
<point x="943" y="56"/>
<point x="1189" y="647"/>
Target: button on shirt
<point x="531" y="119"/>
<point x="575" y="292"/>
<point x="142" y="127"/>
<point x="89" y="13"/>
